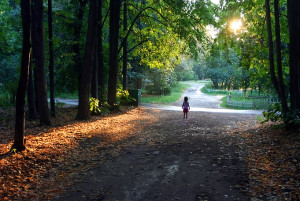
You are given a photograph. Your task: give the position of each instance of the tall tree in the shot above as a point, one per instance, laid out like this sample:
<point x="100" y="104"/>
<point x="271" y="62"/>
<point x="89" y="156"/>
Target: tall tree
<point x="19" y="143"/>
<point x="125" y="60"/>
<point x="294" y="50"/>
<point x="87" y="69"/>
<point x="270" y="45"/>
<point x="51" y="58"/>
<point x="94" y="87"/>
<point x="281" y="86"/>
<point x="38" y="50"/>
<point x="32" y="111"/>
<point x="77" y="32"/>
<point x="101" y="73"/>
<point x="114" y="27"/>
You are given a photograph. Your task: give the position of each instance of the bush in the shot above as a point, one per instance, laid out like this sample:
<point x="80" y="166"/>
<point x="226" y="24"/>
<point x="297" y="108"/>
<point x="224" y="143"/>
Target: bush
<point x="291" y="120"/>
<point x="5" y="97"/>
<point x="123" y="97"/>
<point x="158" y="90"/>
<point x="94" y="106"/>
<point x="98" y="109"/>
<point x="273" y="113"/>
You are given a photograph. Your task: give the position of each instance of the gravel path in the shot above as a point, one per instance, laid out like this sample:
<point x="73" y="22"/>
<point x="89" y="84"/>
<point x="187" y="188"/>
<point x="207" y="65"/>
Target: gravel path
<point x="171" y="159"/>
<point x="200" y="102"/>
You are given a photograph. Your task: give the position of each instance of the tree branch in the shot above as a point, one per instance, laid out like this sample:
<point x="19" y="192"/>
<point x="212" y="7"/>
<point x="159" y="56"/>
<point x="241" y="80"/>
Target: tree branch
<point x="133" y="48"/>
<point x="135" y="19"/>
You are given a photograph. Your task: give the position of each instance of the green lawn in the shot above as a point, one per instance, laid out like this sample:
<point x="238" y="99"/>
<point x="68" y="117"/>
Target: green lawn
<point x="65" y="95"/>
<point x="239" y="97"/>
<point x="177" y="91"/>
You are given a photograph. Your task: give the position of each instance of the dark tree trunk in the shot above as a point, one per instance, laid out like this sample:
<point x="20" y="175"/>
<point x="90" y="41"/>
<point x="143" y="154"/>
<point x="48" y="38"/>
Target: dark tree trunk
<point x="281" y="86"/>
<point x="39" y="60"/>
<point x="114" y="27"/>
<point x="294" y="29"/>
<point x="32" y="111"/>
<point x="77" y="31"/>
<point x="19" y="143"/>
<point x="51" y="59"/>
<point x="271" y="49"/>
<point x="35" y="84"/>
<point x="87" y="70"/>
<point x="101" y="82"/>
<point x="125" y="48"/>
<point x="215" y="83"/>
<point x="94" y="91"/>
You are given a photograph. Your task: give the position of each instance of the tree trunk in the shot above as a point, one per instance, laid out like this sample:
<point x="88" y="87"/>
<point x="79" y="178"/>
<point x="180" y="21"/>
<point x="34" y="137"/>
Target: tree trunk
<point x="95" y="90"/>
<point x="87" y="70"/>
<point x="270" y="45"/>
<point x="32" y="111"/>
<point x="77" y="31"/>
<point x="294" y="50"/>
<point x="39" y="60"/>
<point x="281" y="86"/>
<point x="215" y="83"/>
<point x="125" y="48"/>
<point x="113" y="50"/>
<point x="51" y="59"/>
<point x="19" y="143"/>
<point x="101" y="78"/>
<point x="35" y="84"/>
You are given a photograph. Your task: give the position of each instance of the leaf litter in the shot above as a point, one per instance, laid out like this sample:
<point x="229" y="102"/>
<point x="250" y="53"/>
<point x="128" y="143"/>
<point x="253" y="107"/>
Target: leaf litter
<point x="55" y="155"/>
<point x="273" y="161"/>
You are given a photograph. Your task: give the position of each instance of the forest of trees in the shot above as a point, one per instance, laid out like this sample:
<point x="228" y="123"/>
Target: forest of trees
<point x="97" y="47"/>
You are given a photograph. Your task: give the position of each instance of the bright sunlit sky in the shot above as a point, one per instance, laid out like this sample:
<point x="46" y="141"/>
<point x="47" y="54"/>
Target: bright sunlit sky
<point x="215" y="1"/>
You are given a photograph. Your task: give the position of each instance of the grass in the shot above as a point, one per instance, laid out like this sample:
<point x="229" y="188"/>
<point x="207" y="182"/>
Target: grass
<point x="66" y="95"/>
<point x="235" y="96"/>
<point x="175" y="95"/>
<point x="214" y="93"/>
<point x="224" y="105"/>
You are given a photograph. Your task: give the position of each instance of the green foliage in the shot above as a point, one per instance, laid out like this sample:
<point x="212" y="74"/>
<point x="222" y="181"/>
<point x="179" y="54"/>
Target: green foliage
<point x="98" y="108"/>
<point x="184" y="71"/>
<point x="13" y="151"/>
<point x="176" y="92"/>
<point x="6" y="98"/>
<point x="293" y="119"/>
<point x="161" y="82"/>
<point x="123" y="97"/>
<point x="94" y="106"/>
<point x="158" y="90"/>
<point x="273" y="113"/>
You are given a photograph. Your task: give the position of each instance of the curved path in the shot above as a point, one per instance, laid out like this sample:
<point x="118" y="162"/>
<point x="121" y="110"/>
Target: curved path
<point x="200" y="102"/>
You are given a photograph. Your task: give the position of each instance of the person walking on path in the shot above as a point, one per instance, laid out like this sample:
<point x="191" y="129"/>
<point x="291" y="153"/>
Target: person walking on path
<point x="185" y="107"/>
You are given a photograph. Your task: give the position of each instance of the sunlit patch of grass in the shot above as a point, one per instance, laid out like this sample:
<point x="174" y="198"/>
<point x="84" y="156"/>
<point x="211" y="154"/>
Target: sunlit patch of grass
<point x="175" y="95"/>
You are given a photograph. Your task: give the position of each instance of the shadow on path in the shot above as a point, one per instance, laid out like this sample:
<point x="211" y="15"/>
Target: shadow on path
<point x="172" y="159"/>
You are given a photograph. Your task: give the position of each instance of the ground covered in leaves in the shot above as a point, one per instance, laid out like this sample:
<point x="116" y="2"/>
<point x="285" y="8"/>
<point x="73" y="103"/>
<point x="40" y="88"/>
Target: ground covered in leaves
<point x="150" y="155"/>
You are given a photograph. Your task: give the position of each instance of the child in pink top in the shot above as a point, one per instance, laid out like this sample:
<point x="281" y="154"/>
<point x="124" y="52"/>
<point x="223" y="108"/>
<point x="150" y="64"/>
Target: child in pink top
<point x="185" y="107"/>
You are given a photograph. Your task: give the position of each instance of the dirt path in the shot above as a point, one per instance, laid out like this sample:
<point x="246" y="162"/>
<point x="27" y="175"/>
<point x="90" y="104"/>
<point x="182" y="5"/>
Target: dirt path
<point x="170" y="158"/>
<point x="198" y="99"/>
<point x="200" y="102"/>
